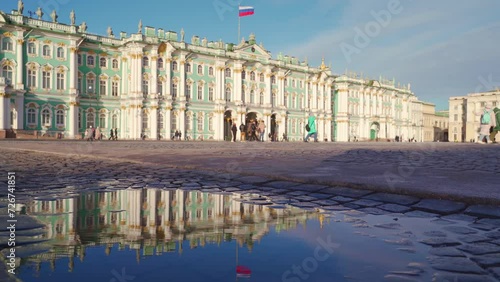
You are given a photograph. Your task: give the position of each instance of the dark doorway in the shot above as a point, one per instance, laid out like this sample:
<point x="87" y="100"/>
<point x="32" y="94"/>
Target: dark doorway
<point x="274" y="128"/>
<point x="249" y="120"/>
<point x="227" y="126"/>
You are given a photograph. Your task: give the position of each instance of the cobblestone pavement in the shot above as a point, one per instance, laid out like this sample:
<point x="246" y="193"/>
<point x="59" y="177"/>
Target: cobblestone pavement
<point x="465" y="172"/>
<point x="429" y="181"/>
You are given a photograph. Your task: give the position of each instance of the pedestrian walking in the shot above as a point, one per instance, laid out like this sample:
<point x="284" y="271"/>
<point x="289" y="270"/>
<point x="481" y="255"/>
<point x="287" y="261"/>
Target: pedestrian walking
<point x="262" y="130"/>
<point x="486" y="122"/>
<point x="311" y="128"/>
<point x="243" y="132"/>
<point x="234" y="130"/>
<point x="116" y="133"/>
<point x="111" y="135"/>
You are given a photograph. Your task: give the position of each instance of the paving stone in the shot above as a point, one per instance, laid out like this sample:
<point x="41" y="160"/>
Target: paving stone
<point x="297" y="193"/>
<point x="480" y="248"/>
<point x="392" y="226"/>
<point x="455" y="264"/>
<point x="493" y="234"/>
<point x="335" y="208"/>
<point x="441" y="221"/>
<point x="460" y="230"/>
<point x="491" y="260"/>
<point x="325" y="202"/>
<point x="446" y="252"/>
<point x="440" y="242"/>
<point x="304" y="205"/>
<point x="439" y="206"/>
<point x="346" y="192"/>
<point x="305" y="198"/>
<point x="352" y="206"/>
<point x="458" y="277"/>
<point x="435" y="233"/>
<point x="482" y="226"/>
<point x="366" y="203"/>
<point x="394" y="208"/>
<point x="496" y="272"/>
<point x="393" y="198"/>
<point x="483" y="211"/>
<point x="254" y="179"/>
<point x="374" y="211"/>
<point x="473" y="239"/>
<point x="342" y="199"/>
<point x="420" y="214"/>
<point x="309" y="187"/>
<point x="320" y="196"/>
<point x="490" y="221"/>
<point x="399" y="278"/>
<point x="460" y="216"/>
<point x="283" y="184"/>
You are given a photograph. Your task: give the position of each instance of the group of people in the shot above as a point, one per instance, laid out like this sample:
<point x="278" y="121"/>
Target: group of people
<point x="488" y="123"/>
<point x="177" y="135"/>
<point x="92" y="134"/>
<point x="253" y="131"/>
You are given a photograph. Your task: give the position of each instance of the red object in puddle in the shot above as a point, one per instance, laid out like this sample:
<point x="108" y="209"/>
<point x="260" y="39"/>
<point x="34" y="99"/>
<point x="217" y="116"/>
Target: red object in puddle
<point x="243" y="270"/>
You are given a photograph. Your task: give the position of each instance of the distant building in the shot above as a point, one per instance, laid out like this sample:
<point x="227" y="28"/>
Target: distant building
<point x="59" y="79"/>
<point x="464" y="123"/>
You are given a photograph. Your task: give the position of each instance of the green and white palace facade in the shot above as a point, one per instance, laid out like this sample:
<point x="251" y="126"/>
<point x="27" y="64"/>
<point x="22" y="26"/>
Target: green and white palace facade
<point x="58" y="78"/>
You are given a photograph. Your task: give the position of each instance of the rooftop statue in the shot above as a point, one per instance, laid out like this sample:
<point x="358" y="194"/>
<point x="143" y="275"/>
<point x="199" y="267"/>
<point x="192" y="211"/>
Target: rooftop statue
<point x="39" y="13"/>
<point x="83" y="27"/>
<point x="72" y="17"/>
<point x="182" y="35"/>
<point x="110" y="32"/>
<point x="20" y="7"/>
<point x="54" y="16"/>
<point x="139" y="28"/>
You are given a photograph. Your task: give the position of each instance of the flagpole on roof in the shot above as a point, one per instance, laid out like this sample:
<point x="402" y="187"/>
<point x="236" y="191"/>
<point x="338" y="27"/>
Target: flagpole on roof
<point x="239" y="25"/>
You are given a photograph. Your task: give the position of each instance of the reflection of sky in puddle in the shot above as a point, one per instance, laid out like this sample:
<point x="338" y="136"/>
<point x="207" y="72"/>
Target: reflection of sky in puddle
<point x="176" y="235"/>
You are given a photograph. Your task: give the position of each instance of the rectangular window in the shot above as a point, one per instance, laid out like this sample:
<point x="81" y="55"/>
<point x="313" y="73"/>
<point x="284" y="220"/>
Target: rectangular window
<point x="80" y="83"/>
<point x="103" y="87"/>
<point x="211" y="94"/>
<point x="114" y="89"/>
<point x="159" y="87"/>
<point x="31" y="78"/>
<point x="46" y="80"/>
<point x="200" y="93"/>
<point x="145" y="87"/>
<point x="60" y="81"/>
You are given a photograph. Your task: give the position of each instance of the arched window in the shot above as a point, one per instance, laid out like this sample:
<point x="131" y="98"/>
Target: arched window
<point x="188" y="92"/>
<point x="145" y="86"/>
<point x="46" y="51"/>
<point x="173" y="121"/>
<point x="114" y="121"/>
<point x="228" y="72"/>
<point x="160" y="63"/>
<point x="210" y="71"/>
<point x="200" y="69"/>
<point x="7" y="44"/>
<point x="46" y="117"/>
<point x="60" y="118"/>
<point x="60" y="53"/>
<point x="228" y="94"/>
<point x="102" y="120"/>
<point x="174" y="66"/>
<point x="47" y="79"/>
<point x="252" y="97"/>
<point x="115" y="63"/>
<point x="145" y="62"/>
<point x="273" y="79"/>
<point x="261" y="77"/>
<point x="103" y="62"/>
<point x="261" y="98"/>
<point x="159" y="87"/>
<point x="243" y="75"/>
<point x="210" y="124"/>
<point x="7" y="74"/>
<point x="90" y="61"/>
<point x="188" y="67"/>
<point x="90" y="119"/>
<point x="31" y="116"/>
<point x="31" y="48"/>
<point x="60" y="81"/>
<point x="252" y="76"/>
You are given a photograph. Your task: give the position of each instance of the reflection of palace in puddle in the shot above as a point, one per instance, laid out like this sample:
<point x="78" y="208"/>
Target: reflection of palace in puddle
<point x="154" y="221"/>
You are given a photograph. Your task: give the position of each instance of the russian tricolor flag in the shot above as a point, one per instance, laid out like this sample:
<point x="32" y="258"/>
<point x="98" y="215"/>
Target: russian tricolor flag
<point x="246" y="11"/>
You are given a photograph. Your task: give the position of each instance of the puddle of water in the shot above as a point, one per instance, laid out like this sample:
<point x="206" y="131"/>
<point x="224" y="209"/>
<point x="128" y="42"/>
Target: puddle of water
<point x="152" y="235"/>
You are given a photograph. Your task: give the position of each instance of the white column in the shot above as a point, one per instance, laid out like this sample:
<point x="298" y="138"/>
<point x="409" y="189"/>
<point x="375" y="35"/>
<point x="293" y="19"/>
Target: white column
<point x="268" y="94"/>
<point x="123" y="121"/>
<point x="154" y="72"/>
<point x="238" y="82"/>
<point x="19" y="123"/>
<point x="168" y="71"/>
<point x="154" y="122"/>
<point x="182" y="80"/>
<point x="20" y="64"/>
<point x="73" y="69"/>
<point x="5" y="109"/>
<point x="281" y="91"/>
<point x="73" y="119"/>
<point x="314" y="103"/>
<point x="168" y="120"/>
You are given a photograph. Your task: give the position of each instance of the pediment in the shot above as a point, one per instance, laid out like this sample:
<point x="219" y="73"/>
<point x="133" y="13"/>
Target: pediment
<point x="253" y="50"/>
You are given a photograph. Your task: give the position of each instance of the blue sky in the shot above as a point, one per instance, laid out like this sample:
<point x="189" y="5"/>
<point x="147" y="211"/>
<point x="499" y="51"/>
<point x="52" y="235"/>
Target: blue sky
<point x="442" y="48"/>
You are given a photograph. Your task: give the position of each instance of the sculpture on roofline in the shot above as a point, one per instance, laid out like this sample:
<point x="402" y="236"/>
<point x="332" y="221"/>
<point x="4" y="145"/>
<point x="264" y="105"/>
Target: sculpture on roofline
<point x="72" y="17"/>
<point x="20" y="7"/>
<point x="110" y="32"/>
<point x="182" y="35"/>
<point x="54" y="17"/>
<point x="139" y="27"/>
<point x="83" y="27"/>
<point x="39" y="13"/>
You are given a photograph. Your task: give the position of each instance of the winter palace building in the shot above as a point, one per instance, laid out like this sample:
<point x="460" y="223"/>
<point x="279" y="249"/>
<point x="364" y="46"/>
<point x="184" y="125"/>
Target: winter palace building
<point x="59" y="79"/>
